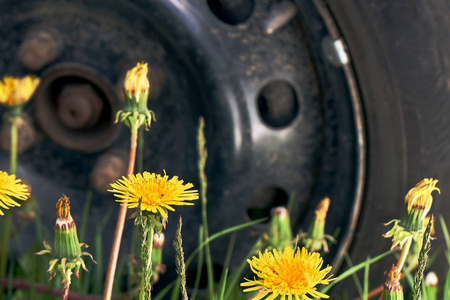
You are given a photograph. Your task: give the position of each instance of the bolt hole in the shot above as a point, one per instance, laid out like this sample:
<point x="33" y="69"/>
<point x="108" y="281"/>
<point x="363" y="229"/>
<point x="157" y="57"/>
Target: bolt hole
<point x="191" y="276"/>
<point x="76" y="107"/>
<point x="264" y="200"/>
<point x="278" y="104"/>
<point x="232" y="12"/>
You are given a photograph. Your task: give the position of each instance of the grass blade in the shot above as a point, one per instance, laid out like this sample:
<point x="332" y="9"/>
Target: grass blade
<point x="85" y="216"/>
<point x="354" y="269"/>
<point x="221" y="233"/>
<point x="446" y="294"/>
<point x="446" y="237"/>
<point x="199" y="264"/>
<point x="223" y="284"/>
<point x="355" y="278"/>
<point x="366" y="279"/>
<point x="235" y="277"/>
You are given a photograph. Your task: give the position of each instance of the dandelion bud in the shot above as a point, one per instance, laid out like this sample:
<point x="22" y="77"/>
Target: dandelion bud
<point x="279" y="233"/>
<point x="136" y="86"/>
<point x="418" y="203"/>
<point x="416" y="206"/>
<point x="392" y="288"/>
<point x="431" y="286"/>
<point x="136" y="82"/>
<point x="66" y="238"/>
<point x="158" y="243"/>
<point x="66" y="251"/>
<point x="315" y="238"/>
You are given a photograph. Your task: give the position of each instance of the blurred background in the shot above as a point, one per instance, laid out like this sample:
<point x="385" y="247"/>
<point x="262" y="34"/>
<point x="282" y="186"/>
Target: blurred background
<point x="302" y="99"/>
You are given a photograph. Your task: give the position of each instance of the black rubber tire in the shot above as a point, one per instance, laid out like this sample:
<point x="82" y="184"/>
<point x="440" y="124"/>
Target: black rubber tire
<point x="400" y="54"/>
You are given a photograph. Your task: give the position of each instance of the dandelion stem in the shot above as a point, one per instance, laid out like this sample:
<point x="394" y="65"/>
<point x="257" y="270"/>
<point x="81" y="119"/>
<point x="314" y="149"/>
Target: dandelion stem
<point x="13" y="153"/>
<point x="403" y="255"/>
<point x="65" y="295"/>
<point x="146" y="259"/>
<point x="120" y="222"/>
<point x="8" y="216"/>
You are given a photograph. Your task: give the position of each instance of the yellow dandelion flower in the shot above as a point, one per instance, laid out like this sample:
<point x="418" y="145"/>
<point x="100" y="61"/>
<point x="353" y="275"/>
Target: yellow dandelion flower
<point x="419" y="197"/>
<point x="11" y="187"/>
<point x="158" y="193"/>
<point x="287" y="274"/>
<point x="136" y="81"/>
<point x="15" y="91"/>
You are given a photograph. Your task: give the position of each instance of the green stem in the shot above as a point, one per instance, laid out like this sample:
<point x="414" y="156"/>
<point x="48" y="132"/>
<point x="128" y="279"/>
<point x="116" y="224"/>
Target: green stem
<point x="8" y="216"/>
<point x="13" y="153"/>
<point x="145" y="289"/>
<point x="403" y="255"/>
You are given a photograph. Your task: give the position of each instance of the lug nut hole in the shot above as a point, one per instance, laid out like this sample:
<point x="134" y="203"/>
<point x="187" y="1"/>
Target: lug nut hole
<point x="232" y="12"/>
<point x="264" y="200"/>
<point x="76" y="107"/>
<point x="277" y="104"/>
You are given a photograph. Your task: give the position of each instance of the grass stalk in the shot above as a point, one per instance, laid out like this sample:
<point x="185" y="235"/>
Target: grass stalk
<point x="202" y="156"/>
<point x="426" y="245"/>
<point x="179" y="261"/>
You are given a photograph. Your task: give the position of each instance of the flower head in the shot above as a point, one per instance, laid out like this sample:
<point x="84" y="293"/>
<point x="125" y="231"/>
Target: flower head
<point x="287" y="274"/>
<point x="279" y="232"/>
<point x="136" y="81"/>
<point x="11" y="187"/>
<point x="157" y="193"/>
<point x="419" y="197"/>
<point x="17" y="91"/>
<point x="416" y="206"/>
<point x="136" y="85"/>
<point x="66" y="251"/>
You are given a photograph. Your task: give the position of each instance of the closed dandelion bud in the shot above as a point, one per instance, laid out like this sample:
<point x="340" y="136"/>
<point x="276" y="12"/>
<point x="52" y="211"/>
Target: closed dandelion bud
<point x="136" y="86"/>
<point x="315" y="238"/>
<point x="417" y="204"/>
<point x="279" y="233"/>
<point x="66" y="252"/>
<point x="66" y="238"/>
<point x="392" y="288"/>
<point x="158" y="244"/>
<point x="431" y="286"/>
